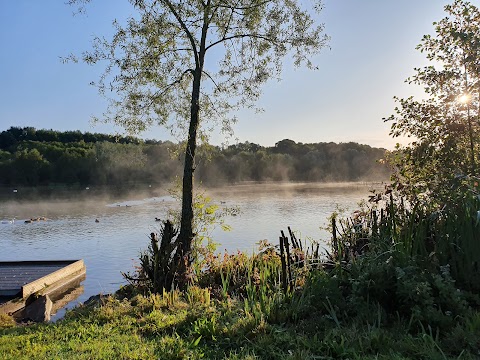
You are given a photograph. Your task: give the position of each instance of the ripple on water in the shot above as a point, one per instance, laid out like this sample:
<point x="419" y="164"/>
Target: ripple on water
<point x="113" y="244"/>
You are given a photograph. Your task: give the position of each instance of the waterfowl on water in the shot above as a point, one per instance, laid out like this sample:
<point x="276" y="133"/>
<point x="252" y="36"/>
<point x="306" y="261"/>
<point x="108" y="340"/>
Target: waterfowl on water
<point x="41" y="218"/>
<point x="97" y="221"/>
<point x="8" y="221"/>
<point x="157" y="219"/>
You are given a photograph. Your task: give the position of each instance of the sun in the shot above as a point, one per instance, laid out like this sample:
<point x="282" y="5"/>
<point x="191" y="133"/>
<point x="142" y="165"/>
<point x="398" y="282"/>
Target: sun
<point x="465" y="98"/>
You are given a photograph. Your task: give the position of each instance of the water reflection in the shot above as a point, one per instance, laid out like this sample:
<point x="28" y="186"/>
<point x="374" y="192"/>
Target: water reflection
<point x="112" y="245"/>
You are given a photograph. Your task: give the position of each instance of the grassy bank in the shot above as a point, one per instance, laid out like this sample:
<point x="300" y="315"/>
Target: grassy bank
<point x="380" y="306"/>
<point x="194" y="326"/>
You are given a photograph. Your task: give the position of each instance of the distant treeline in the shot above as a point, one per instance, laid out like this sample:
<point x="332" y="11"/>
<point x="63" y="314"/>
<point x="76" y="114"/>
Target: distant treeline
<point x="30" y="157"/>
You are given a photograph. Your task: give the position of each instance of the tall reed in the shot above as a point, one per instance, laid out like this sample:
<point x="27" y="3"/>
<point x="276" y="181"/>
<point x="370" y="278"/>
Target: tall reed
<point x="449" y="236"/>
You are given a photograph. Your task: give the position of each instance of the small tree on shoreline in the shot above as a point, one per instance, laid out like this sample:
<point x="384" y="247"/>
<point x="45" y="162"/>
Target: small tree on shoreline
<point x="182" y="63"/>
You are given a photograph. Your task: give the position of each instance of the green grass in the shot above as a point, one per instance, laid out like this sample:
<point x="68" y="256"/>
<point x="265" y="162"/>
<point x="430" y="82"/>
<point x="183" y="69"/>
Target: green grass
<point x="196" y="327"/>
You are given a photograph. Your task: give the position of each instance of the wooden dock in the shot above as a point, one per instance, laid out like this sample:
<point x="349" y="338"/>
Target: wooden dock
<point x="21" y="280"/>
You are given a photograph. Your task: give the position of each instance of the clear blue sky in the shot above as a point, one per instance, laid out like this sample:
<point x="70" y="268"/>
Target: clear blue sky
<point x="372" y="53"/>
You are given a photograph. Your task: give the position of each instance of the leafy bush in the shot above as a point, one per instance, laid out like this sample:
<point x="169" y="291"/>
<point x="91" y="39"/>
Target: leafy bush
<point x="406" y="291"/>
<point x="158" y="264"/>
<point x="6" y="321"/>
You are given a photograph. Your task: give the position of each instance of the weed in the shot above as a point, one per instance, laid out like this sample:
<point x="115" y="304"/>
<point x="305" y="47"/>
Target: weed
<point x="6" y="321"/>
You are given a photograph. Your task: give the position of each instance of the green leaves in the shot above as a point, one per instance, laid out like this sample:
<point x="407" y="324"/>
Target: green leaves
<point x="444" y="130"/>
<point x="236" y="46"/>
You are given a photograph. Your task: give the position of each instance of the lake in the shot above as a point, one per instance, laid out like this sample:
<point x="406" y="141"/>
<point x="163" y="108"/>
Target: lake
<point x="112" y="244"/>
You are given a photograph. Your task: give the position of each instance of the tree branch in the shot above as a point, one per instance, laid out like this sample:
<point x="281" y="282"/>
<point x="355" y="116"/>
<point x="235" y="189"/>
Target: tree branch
<point x="211" y="78"/>
<point x="168" y="86"/>
<point x="244" y="7"/>
<point x="256" y="36"/>
<point x="184" y="27"/>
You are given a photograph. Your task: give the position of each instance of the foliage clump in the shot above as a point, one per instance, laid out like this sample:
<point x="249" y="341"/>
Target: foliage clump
<point x="158" y="264"/>
<point x="6" y="321"/>
<point x="444" y="126"/>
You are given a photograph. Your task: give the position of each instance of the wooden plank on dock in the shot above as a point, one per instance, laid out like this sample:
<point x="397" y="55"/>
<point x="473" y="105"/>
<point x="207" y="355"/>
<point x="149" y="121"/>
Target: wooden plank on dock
<point x="52" y="278"/>
<point x="22" y="278"/>
<point x="47" y="280"/>
<point x="13" y="275"/>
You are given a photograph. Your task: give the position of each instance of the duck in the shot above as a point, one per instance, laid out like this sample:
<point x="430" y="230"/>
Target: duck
<point x="8" y="221"/>
<point x="97" y="221"/>
<point x="157" y="219"/>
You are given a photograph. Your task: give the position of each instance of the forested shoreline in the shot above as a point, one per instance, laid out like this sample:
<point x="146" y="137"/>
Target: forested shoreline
<point x="31" y="157"/>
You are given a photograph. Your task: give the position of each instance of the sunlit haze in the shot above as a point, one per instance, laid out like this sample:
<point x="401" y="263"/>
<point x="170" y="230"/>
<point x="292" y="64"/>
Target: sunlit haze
<point x="372" y="51"/>
<point x="465" y="98"/>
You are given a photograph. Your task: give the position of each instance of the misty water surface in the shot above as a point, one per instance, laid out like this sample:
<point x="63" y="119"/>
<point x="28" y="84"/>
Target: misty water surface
<point x="112" y="245"/>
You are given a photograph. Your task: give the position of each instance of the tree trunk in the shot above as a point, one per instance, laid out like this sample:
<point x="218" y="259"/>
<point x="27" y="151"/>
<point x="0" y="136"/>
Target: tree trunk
<point x="185" y="238"/>
<point x="186" y="234"/>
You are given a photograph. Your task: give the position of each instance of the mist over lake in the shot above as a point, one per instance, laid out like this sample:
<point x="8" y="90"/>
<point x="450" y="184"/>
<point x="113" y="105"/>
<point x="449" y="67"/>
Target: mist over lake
<point x="112" y="244"/>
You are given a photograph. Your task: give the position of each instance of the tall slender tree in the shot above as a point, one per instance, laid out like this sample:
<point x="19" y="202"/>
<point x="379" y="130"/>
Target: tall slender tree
<point x="184" y="64"/>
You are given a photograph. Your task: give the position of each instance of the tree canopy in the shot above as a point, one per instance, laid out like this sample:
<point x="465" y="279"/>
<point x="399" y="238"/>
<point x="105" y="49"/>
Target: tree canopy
<point x="123" y="164"/>
<point x="231" y="47"/>
<point x="444" y="127"/>
<point x="193" y="62"/>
